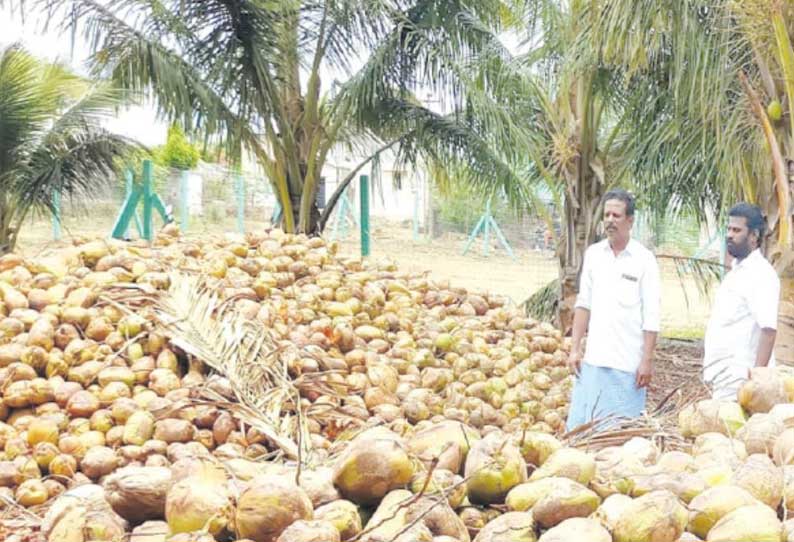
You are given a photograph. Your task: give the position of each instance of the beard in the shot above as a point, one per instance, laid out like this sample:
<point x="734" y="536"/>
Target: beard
<point x="739" y="250"/>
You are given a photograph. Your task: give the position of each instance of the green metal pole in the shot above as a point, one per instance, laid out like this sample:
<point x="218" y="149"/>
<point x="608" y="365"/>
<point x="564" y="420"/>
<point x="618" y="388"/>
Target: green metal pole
<point x="184" y="188"/>
<point x="239" y="186"/>
<point x="364" y="195"/>
<point x="148" y="191"/>
<point x="128" y="180"/>
<point x="56" y="216"/>
<point x="486" y="239"/>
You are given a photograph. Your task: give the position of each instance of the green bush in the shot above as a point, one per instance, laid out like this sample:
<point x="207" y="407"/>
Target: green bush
<point x="178" y="152"/>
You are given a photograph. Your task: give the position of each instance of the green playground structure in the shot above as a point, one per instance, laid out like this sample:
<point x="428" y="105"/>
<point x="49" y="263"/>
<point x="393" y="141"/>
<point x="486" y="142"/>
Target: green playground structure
<point x="485" y="225"/>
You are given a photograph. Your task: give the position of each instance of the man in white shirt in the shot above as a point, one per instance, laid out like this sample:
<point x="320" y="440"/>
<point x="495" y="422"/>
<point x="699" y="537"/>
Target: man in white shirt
<point x="742" y="328"/>
<point x="618" y="305"/>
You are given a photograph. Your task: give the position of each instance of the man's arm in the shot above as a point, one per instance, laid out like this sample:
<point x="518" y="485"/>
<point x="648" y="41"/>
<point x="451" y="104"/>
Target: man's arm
<point x="645" y="370"/>
<point x="766" y="343"/>
<point x="581" y="318"/>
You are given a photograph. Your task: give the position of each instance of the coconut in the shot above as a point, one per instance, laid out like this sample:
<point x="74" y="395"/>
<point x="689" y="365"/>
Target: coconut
<point x="309" y="531"/>
<point x="752" y="523"/>
<point x="438" y="482"/>
<point x="319" y="485"/>
<point x="199" y="501"/>
<point x="783" y="450"/>
<point x="138" y="493"/>
<point x="674" y="461"/>
<point x="568" y="463"/>
<point x="438" y="517"/>
<point x="98" y="461"/>
<point x="576" y="530"/>
<point x="343" y="515"/>
<point x="760" y="433"/>
<point x="493" y="467"/>
<point x="536" y="447"/>
<point x="150" y="531"/>
<point x="567" y="499"/>
<point x="611" y="509"/>
<point x="762" y="391"/>
<point x="512" y="526"/>
<point x="657" y="516"/>
<point x="618" y="474"/>
<point x="641" y="448"/>
<point x="389" y="518"/>
<point x="445" y="444"/>
<point x="761" y="478"/>
<point x="713" y="504"/>
<point x="268" y="506"/>
<point x="31" y="493"/>
<point x="139" y="428"/>
<point x="720" y="445"/>
<point x="711" y="416"/>
<point x="524" y="496"/>
<point x="370" y="467"/>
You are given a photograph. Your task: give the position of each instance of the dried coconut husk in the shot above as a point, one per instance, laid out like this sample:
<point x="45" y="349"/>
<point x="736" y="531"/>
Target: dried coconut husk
<point x="762" y="391"/>
<point x="199" y="501"/>
<point x="343" y="515"/>
<point x="576" y="530"/>
<point x="493" y="467"/>
<point x="138" y="493"/>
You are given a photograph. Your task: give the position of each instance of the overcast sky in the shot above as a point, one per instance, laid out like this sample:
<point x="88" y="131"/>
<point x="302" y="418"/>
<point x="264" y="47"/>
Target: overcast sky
<point x="139" y="123"/>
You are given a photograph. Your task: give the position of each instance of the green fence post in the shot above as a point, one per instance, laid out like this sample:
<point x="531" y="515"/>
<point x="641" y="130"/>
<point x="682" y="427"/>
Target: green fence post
<point x="239" y="186"/>
<point x="364" y="195"/>
<point x="183" y="200"/>
<point x="148" y="191"/>
<point x="56" y="215"/>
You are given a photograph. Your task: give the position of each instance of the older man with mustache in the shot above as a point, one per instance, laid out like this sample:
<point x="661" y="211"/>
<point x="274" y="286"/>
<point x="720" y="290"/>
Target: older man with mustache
<point x="619" y="307"/>
<point x="742" y="328"/>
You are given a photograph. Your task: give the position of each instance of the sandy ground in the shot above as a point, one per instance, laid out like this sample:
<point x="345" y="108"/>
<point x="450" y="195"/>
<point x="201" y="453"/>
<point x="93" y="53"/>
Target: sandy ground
<point x="684" y="309"/>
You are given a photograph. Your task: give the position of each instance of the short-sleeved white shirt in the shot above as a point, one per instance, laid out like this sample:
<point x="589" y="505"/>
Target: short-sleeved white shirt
<point x="622" y="294"/>
<point x="745" y="303"/>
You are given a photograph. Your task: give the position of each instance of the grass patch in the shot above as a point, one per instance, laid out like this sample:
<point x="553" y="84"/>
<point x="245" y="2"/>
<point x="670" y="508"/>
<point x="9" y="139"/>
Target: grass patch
<point x="690" y="333"/>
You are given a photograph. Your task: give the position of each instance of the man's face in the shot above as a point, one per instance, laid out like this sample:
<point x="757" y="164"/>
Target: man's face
<point x="617" y="224"/>
<point x="740" y="241"/>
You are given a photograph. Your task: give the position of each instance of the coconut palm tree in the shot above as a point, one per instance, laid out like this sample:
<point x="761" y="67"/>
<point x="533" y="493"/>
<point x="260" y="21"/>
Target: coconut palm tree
<point x="51" y="140"/>
<point x="252" y="73"/>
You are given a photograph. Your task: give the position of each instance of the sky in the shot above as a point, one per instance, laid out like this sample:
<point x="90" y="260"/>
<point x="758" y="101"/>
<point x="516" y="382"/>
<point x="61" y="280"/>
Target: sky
<point x="139" y="122"/>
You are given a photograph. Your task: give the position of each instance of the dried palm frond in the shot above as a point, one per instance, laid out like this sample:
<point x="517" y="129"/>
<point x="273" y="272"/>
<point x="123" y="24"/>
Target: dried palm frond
<point x="245" y="352"/>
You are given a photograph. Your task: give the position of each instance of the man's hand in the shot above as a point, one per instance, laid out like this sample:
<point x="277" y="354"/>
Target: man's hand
<point x="644" y="373"/>
<point x="575" y="360"/>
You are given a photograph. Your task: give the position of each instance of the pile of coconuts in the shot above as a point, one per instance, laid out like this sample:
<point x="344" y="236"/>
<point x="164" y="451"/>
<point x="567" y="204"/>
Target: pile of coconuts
<point x="94" y="394"/>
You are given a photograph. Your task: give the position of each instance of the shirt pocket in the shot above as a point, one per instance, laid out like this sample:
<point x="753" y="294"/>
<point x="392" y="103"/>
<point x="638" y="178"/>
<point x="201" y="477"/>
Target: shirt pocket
<point x="628" y="291"/>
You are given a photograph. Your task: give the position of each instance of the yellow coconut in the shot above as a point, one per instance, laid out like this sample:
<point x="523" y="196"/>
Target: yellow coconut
<point x="343" y="515"/>
<point x="713" y="504"/>
<point x="372" y="466"/>
<point x="576" y="530"/>
<point x="438" y="517"/>
<point x="753" y="523"/>
<point x="760" y="433"/>
<point x="509" y="527"/>
<point x="653" y="517"/>
<point x="493" y="467"/>
<point x="762" y="391"/>
<point x="524" y="496"/>
<point x="536" y="447"/>
<point x="568" y="463"/>
<point x="445" y="444"/>
<point x="390" y="516"/>
<point x="711" y="416"/>
<point x="199" y="501"/>
<point x="761" y="478"/>
<point x="611" y="509"/>
<point x="269" y="505"/>
<point x="567" y="499"/>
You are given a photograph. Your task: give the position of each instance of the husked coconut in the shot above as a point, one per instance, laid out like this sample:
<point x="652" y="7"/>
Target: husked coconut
<point x="762" y="479"/>
<point x="753" y="523"/>
<point x="438" y="517"/>
<point x="713" y="504"/>
<point x="657" y="516"/>
<point x="199" y="501"/>
<point x="570" y="463"/>
<point x="507" y="527"/>
<point x="446" y="444"/>
<point x="762" y="391"/>
<point x="268" y="506"/>
<point x="343" y="515"/>
<point x="575" y="530"/>
<point x="372" y="466"/>
<point x="493" y="467"/>
<point x="567" y="499"/>
<point x="611" y="509"/>
<point x="309" y="531"/>
<point x="760" y="433"/>
<point x="138" y="493"/>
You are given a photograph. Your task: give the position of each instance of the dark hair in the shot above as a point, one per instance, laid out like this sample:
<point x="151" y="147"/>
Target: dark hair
<point x="753" y="215"/>
<point x="621" y="195"/>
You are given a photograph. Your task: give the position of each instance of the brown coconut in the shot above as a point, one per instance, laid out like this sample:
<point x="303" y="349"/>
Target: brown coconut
<point x="268" y="506"/>
<point x="138" y="493"/>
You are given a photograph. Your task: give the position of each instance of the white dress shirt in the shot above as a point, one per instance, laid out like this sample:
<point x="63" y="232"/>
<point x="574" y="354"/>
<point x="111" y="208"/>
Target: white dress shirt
<point x="622" y="294"/>
<point x="746" y="302"/>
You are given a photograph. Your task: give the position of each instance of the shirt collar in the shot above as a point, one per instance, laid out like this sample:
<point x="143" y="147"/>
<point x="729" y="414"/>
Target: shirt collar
<point x="630" y="246"/>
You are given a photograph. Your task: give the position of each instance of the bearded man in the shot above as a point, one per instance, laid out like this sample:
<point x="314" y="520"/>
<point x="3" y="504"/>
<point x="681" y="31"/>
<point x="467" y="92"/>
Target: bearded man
<point x="742" y="328"/>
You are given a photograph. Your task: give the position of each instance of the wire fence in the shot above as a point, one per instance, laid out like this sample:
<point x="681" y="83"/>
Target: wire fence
<point x="469" y="242"/>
